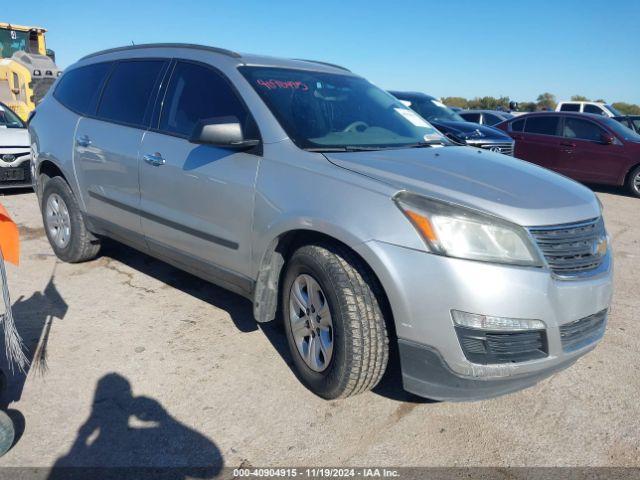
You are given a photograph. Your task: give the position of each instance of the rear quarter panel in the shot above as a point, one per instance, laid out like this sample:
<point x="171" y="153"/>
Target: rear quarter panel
<point x="52" y="132"/>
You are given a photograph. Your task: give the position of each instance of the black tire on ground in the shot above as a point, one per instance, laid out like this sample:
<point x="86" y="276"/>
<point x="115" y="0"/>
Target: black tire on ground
<point x="83" y="245"/>
<point x="360" y="341"/>
<point x="632" y="187"/>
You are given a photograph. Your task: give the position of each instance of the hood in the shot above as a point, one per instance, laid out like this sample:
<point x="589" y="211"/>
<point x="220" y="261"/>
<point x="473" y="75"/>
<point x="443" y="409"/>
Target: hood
<point x="14" y="137"/>
<point x="470" y="131"/>
<point x="498" y="184"/>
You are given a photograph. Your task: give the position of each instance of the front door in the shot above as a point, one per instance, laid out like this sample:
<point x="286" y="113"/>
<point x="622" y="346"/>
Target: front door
<point x="197" y="200"/>
<point x="586" y="157"/>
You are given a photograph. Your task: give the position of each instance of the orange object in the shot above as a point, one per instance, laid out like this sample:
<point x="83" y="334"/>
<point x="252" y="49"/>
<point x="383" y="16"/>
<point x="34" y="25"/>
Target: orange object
<point x="9" y="238"/>
<point x="423" y="224"/>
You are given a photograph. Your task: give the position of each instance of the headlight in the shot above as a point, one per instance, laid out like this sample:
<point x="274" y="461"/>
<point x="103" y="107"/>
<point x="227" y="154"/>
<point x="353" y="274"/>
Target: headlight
<point x="461" y="232"/>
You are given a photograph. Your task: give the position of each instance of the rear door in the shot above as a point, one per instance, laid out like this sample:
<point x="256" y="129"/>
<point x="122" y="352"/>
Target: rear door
<point x="197" y="200"/>
<point x="584" y="155"/>
<point x="539" y="142"/>
<point x="108" y="144"/>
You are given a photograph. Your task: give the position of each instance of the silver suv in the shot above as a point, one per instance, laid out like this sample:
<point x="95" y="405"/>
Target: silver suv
<point x="333" y="207"/>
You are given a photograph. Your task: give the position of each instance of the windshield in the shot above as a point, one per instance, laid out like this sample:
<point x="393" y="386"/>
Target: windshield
<point x="433" y="110"/>
<point x="613" y="110"/>
<point x="12" y="41"/>
<point x="620" y="130"/>
<point x="8" y="119"/>
<point x="331" y="111"/>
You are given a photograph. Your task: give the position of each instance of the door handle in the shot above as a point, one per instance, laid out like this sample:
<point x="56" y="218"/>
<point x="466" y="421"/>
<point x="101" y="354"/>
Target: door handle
<point x="154" y="159"/>
<point x="572" y="145"/>
<point x="83" y="141"/>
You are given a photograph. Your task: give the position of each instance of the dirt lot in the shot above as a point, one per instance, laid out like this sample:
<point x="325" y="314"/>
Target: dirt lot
<point x="134" y="359"/>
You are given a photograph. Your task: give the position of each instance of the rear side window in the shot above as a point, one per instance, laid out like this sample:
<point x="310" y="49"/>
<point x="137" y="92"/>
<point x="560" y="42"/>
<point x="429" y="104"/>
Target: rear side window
<point x="570" y="107"/>
<point x="197" y="93"/>
<point x="128" y="91"/>
<point x="471" y="117"/>
<point x="582" y="129"/>
<point x="78" y="89"/>
<point x="543" y="125"/>
<point x="593" y="109"/>
<point x="491" y="119"/>
<point x="518" y="125"/>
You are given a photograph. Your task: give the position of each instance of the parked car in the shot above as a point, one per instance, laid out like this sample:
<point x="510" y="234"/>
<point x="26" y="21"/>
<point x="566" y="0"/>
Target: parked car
<point x="485" y="117"/>
<point x="597" y="108"/>
<point x="586" y="147"/>
<point x="15" y="158"/>
<point x="332" y="206"/>
<point x="454" y="126"/>
<point x="630" y="121"/>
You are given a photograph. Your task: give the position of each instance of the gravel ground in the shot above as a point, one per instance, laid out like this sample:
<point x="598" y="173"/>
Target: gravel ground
<point x="137" y="363"/>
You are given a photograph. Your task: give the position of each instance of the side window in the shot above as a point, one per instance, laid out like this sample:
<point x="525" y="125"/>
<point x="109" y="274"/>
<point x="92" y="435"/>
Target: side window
<point x="636" y="124"/>
<point x="491" y="119"/>
<point x="471" y="117"/>
<point x="570" y="107"/>
<point x="543" y="125"/>
<point x="128" y="91"/>
<point x="582" y="129"/>
<point x="518" y="125"/>
<point x="78" y="89"/>
<point x="593" y="109"/>
<point x="196" y="93"/>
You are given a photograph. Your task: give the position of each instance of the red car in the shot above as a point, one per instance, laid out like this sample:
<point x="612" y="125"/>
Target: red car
<point x="589" y="148"/>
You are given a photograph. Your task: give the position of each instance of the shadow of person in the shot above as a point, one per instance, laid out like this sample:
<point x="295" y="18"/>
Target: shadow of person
<point x="134" y="437"/>
<point x="33" y="317"/>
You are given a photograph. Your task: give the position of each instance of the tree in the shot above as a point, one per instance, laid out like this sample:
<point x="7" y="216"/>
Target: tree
<point x="546" y="101"/>
<point x="627" y="108"/>
<point x="527" y="106"/>
<point x="600" y="100"/>
<point x="579" y="98"/>
<point x="459" y="102"/>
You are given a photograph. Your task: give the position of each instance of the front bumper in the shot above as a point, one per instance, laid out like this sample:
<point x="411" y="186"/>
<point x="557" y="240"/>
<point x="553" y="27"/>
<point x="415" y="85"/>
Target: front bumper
<point x="21" y="165"/>
<point x="423" y="289"/>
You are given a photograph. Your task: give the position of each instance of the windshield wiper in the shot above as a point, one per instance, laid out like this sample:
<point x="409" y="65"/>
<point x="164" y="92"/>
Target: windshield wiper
<point x="346" y="148"/>
<point x="429" y="143"/>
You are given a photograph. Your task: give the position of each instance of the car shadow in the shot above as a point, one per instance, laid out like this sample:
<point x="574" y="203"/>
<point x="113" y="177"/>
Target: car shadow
<point x="10" y="192"/>
<point x="240" y="311"/>
<point x="128" y="436"/>
<point x="620" y="191"/>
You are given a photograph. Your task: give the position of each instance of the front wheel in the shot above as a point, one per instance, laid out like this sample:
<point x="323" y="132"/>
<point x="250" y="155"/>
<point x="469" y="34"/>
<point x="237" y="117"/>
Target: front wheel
<point x="633" y="182"/>
<point x="333" y="320"/>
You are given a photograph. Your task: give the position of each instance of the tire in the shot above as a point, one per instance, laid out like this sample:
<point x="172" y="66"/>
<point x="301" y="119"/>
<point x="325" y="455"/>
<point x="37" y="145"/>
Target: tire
<point x="79" y="243"/>
<point x="7" y="433"/>
<point x="358" y="350"/>
<point x="633" y="182"/>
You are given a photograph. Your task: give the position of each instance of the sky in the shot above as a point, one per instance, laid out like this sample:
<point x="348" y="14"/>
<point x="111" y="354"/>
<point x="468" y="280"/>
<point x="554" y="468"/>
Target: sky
<point x="468" y="48"/>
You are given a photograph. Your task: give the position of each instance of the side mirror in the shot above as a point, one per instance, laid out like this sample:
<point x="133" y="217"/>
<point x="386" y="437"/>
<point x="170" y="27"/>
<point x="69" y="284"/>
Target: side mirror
<point x="223" y="132"/>
<point x="607" y="139"/>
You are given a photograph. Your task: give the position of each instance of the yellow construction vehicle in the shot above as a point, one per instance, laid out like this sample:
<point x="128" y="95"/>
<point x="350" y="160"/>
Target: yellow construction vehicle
<point x="27" y="68"/>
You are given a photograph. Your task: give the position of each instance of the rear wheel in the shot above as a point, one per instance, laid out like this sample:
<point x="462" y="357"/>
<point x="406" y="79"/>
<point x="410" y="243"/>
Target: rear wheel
<point x="64" y="224"/>
<point x="633" y="182"/>
<point x="334" y="324"/>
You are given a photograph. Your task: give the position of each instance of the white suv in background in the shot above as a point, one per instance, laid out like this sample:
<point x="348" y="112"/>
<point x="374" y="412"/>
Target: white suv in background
<point x="597" y="108"/>
<point x="15" y="151"/>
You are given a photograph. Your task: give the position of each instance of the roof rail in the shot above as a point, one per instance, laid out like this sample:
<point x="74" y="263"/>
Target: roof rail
<point x="164" y="45"/>
<point x="323" y="63"/>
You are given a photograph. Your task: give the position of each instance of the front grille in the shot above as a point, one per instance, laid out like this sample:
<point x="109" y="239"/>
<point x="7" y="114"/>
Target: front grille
<point x="20" y="175"/>
<point x="488" y="347"/>
<point x="572" y="249"/>
<point x="584" y="331"/>
<point x="504" y="148"/>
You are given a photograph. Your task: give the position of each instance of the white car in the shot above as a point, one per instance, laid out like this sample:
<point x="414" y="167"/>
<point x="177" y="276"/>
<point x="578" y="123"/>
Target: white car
<point x="15" y="152"/>
<point x="597" y="108"/>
